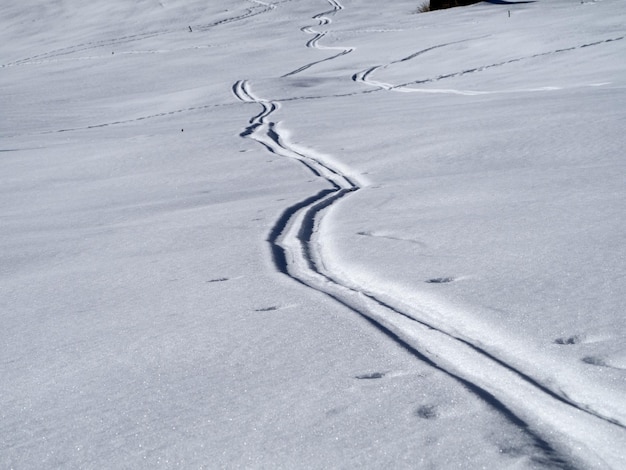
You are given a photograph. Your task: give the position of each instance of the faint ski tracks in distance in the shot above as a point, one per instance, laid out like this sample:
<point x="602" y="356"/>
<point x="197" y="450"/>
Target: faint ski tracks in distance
<point x="364" y="75"/>
<point x="125" y="121"/>
<point x="559" y="426"/>
<point x="259" y="8"/>
<point x="323" y="19"/>
<point x="85" y="46"/>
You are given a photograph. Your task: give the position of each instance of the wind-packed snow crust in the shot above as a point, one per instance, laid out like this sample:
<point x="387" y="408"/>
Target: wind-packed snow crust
<point x="312" y="234"/>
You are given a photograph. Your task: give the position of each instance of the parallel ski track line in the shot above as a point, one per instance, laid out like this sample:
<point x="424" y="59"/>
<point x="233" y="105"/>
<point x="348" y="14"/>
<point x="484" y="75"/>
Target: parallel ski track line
<point x="363" y="77"/>
<point x="293" y="247"/>
<point x="295" y="251"/>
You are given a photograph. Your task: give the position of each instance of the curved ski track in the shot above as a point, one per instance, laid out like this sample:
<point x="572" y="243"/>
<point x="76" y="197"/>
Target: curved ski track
<point x="363" y="76"/>
<point x="323" y="19"/>
<point x="569" y="434"/>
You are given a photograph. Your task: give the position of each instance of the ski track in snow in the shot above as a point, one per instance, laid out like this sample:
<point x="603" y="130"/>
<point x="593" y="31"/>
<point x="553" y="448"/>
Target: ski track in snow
<point x="53" y="54"/>
<point x="364" y="75"/>
<point x="558" y="425"/>
<point x="258" y="9"/>
<point x="128" y="121"/>
<point x="323" y="19"/>
<point x="293" y="246"/>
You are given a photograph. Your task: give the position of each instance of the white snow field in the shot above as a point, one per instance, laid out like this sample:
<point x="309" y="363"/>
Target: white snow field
<point x="312" y="234"/>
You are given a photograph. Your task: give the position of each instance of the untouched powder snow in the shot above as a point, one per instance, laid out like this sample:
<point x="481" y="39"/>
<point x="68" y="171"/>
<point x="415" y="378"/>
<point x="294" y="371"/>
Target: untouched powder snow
<point x="312" y="234"/>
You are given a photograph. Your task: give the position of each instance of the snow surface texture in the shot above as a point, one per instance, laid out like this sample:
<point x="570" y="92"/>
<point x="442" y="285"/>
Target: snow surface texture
<point x="312" y="234"/>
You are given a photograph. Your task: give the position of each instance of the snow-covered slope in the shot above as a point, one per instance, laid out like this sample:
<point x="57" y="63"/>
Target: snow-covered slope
<point x="312" y="234"/>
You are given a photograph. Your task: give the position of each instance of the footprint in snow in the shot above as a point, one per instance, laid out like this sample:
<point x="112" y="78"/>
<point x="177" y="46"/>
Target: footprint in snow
<point x="266" y="309"/>
<point x="373" y="375"/>
<point x="335" y="411"/>
<point x="594" y="361"/>
<point x="440" y="280"/>
<point x="575" y="339"/>
<point x="427" y="412"/>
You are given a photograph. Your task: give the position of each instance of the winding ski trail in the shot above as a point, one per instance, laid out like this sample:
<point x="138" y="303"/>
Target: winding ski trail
<point x="323" y="19"/>
<point x="570" y="434"/>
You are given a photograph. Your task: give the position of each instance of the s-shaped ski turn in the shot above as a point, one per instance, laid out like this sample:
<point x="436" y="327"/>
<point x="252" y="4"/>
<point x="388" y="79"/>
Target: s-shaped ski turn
<point x="551" y="422"/>
<point x="567" y="433"/>
<point x="323" y="20"/>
